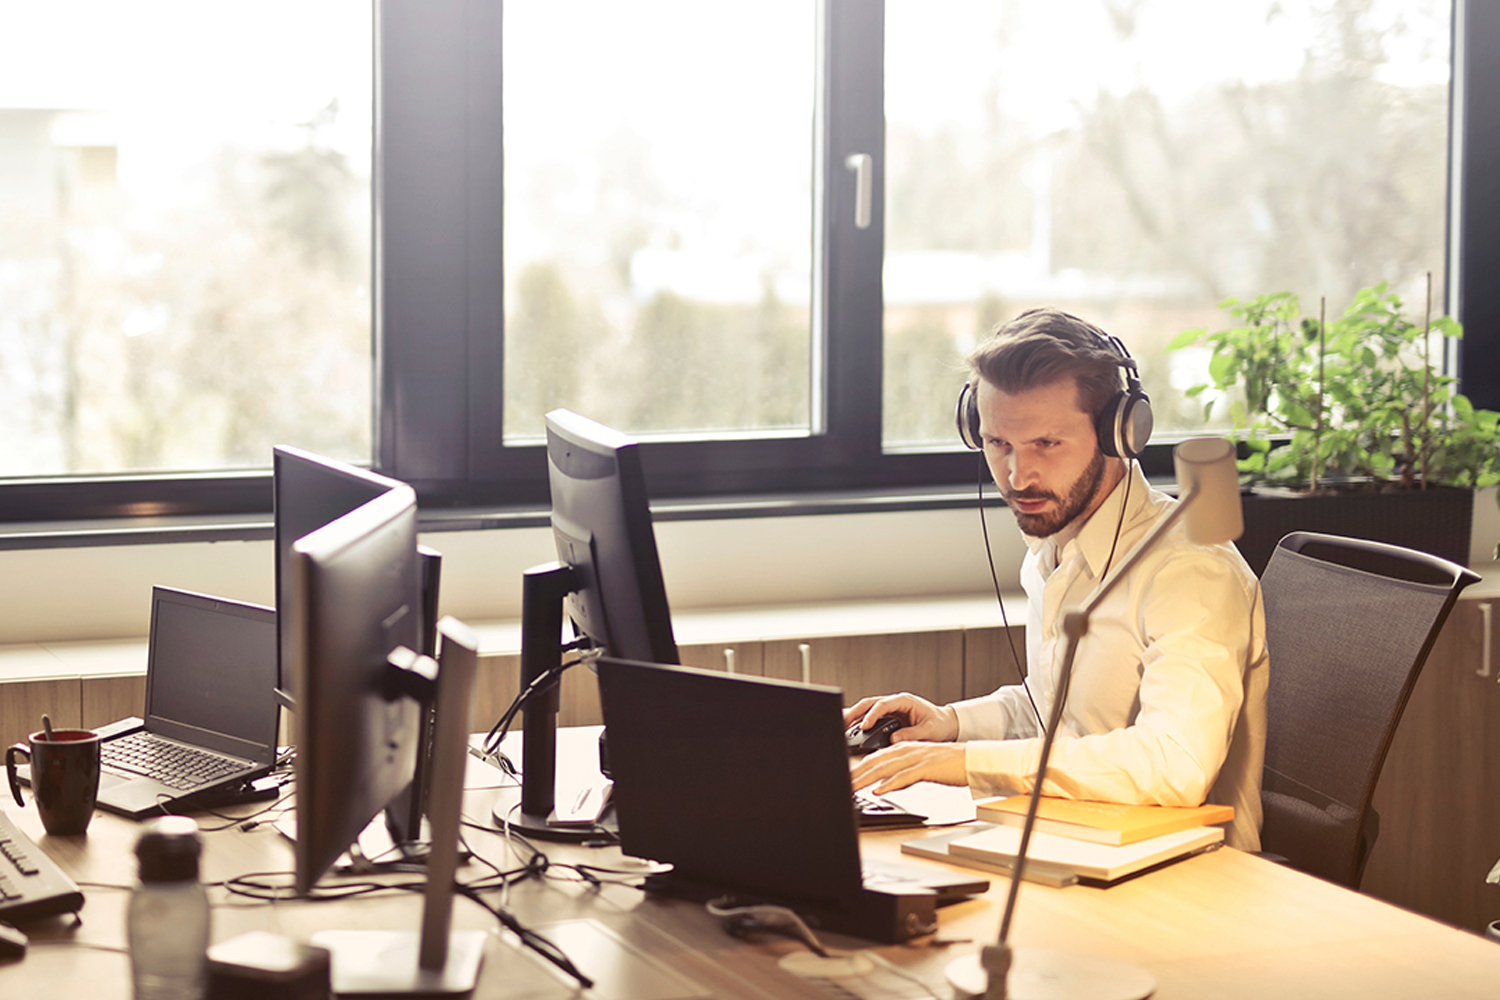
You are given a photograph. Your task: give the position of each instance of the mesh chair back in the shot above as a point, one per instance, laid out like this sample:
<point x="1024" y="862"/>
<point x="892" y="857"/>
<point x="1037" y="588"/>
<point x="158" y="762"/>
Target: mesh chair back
<point x="1348" y="625"/>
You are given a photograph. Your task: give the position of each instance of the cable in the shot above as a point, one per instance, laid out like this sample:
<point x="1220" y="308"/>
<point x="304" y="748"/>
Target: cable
<point x="1124" y="503"/>
<point x="529" y="938"/>
<point x="1119" y="523"/>
<point x="496" y="735"/>
<point x="741" y="920"/>
<point x="995" y="578"/>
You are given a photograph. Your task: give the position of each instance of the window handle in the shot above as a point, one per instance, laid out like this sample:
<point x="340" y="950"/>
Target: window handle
<point x="863" y="165"/>
<point x="1484" y="639"/>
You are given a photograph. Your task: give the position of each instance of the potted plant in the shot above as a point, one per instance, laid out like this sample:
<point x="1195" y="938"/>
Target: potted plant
<point x="1350" y="418"/>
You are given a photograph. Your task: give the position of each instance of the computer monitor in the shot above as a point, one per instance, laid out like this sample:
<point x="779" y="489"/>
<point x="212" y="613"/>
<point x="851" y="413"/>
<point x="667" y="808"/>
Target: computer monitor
<point x="361" y="689"/>
<point x="355" y="596"/>
<point x="608" y="578"/>
<point x="308" y="492"/>
<point x="601" y="523"/>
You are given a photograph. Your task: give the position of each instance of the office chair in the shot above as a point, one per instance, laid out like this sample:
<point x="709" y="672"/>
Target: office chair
<point x="1348" y="625"/>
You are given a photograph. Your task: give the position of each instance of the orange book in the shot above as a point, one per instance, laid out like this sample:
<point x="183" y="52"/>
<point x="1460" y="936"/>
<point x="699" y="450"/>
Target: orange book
<point x="1100" y="822"/>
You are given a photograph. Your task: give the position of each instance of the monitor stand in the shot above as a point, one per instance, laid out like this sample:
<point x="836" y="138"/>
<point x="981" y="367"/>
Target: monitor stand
<point x="575" y="769"/>
<point x="437" y="960"/>
<point x="530" y="808"/>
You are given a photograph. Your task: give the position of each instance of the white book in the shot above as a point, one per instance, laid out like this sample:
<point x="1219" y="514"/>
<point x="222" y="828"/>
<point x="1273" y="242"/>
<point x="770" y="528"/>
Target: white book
<point x="935" y="847"/>
<point x="1058" y="860"/>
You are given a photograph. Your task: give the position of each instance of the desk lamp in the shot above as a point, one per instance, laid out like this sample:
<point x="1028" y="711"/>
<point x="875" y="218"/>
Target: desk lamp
<point x="1209" y="497"/>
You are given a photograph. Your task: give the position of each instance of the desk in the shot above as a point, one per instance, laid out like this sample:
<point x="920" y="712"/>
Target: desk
<point x="1221" y="925"/>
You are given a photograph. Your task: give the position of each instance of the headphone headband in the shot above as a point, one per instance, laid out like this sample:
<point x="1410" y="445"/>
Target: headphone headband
<point x="1123" y="426"/>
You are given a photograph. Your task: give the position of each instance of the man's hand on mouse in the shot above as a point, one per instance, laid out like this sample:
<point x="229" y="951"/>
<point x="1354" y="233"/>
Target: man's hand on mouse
<point x="923" y="750"/>
<point x="924" y="720"/>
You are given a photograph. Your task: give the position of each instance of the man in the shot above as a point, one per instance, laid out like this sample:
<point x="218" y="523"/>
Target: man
<point x="1168" y="698"/>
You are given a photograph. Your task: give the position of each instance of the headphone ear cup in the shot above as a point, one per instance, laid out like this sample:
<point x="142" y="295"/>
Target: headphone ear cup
<point x="1125" y="424"/>
<point x="1136" y="422"/>
<point x="966" y="416"/>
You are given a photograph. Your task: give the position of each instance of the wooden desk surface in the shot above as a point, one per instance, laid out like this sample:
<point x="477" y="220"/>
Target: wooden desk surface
<point x="1221" y="925"/>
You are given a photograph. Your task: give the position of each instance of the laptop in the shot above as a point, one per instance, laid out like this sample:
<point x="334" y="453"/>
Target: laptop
<point x="742" y="785"/>
<point x="211" y="714"/>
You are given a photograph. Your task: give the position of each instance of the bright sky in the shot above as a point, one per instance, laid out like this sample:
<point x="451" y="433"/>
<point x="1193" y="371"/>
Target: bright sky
<point x="1059" y="53"/>
<point x="723" y="91"/>
<point x="179" y="78"/>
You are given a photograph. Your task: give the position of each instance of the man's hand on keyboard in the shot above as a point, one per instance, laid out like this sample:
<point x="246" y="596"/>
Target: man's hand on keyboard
<point x="924" y="720"/>
<point x="907" y="763"/>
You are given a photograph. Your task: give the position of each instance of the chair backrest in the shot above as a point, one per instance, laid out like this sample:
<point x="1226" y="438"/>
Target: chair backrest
<point x="1348" y="625"/>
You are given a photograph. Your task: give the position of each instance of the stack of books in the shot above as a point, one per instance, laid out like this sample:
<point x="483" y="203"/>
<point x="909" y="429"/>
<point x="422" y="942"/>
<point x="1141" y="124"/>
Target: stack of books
<point x="1096" y="843"/>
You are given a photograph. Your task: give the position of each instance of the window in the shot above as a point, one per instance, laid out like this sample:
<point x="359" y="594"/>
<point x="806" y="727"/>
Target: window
<point x="658" y="195"/>
<point x="646" y="212"/>
<point x="184" y="234"/>
<point x="1138" y="163"/>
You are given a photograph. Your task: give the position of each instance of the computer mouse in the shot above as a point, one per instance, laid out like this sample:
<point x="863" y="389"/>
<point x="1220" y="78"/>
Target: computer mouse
<point x="876" y="737"/>
<point x="12" y="942"/>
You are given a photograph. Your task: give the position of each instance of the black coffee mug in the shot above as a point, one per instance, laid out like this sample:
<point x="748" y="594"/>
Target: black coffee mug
<point x="64" y="777"/>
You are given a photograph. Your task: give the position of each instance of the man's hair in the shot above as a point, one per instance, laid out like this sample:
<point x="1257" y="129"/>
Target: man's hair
<point x="1043" y="346"/>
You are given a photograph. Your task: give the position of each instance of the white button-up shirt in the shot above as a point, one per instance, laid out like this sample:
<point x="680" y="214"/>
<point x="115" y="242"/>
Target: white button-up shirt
<point x="1168" y="697"/>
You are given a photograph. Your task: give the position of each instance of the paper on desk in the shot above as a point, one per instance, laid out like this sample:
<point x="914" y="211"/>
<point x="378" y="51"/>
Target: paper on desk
<point x="943" y="805"/>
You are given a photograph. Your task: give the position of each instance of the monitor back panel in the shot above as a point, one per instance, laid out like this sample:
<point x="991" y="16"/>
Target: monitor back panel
<point x="740" y="782"/>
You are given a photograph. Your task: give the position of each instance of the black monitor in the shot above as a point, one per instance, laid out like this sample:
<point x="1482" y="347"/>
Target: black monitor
<point x="310" y="491"/>
<point x="361" y="690"/>
<point x="601" y="522"/>
<point x="355" y="596"/>
<point x="608" y="579"/>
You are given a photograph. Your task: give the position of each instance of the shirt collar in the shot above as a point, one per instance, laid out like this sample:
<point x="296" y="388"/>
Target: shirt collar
<point x="1095" y="537"/>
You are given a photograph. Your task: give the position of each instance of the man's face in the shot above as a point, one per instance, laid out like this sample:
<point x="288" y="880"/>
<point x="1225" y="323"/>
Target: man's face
<point x="1044" y="454"/>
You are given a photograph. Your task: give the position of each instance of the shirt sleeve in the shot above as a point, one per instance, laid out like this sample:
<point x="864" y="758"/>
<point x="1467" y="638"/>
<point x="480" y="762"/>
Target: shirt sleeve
<point x="1005" y="714"/>
<point x="1196" y="612"/>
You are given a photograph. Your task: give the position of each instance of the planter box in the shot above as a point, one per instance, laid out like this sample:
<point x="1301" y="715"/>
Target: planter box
<point x="1437" y="520"/>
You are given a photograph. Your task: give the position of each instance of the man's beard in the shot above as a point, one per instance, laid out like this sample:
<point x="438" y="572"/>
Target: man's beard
<point x="1064" y="512"/>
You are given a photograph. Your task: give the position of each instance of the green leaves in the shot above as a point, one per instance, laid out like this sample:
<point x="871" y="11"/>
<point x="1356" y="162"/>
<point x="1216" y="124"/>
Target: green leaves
<point x="1355" y="399"/>
<point x="1186" y="338"/>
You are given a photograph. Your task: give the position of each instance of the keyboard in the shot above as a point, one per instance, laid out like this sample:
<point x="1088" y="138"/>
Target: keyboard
<point x="31" y="884"/>
<point x="875" y="811"/>
<point x="172" y="764"/>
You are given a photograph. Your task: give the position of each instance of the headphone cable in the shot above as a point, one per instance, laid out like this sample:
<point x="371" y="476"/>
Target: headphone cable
<point x="1124" y="503"/>
<point x="995" y="578"/>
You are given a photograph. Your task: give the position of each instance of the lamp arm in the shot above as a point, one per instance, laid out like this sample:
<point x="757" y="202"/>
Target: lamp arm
<point x="1135" y="555"/>
<point x="1075" y="626"/>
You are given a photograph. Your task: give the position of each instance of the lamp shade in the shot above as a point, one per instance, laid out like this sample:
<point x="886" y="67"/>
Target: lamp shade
<point x="1209" y="483"/>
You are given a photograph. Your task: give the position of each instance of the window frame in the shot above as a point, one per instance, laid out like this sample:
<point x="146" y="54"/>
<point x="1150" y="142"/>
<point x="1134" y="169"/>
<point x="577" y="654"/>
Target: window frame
<point x="438" y="363"/>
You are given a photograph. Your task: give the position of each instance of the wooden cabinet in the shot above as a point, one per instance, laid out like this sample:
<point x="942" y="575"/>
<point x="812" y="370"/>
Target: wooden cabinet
<point x="927" y="652"/>
<point x="108" y="699"/>
<point x="1439" y="792"/>
<point x="929" y="664"/>
<point x="992" y="659"/>
<point x="941" y="665"/>
<point x="71" y="702"/>
<point x="23" y="702"/>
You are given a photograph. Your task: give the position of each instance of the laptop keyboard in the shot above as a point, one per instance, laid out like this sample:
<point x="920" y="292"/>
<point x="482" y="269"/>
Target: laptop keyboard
<point x="876" y="811"/>
<point x="172" y="764"/>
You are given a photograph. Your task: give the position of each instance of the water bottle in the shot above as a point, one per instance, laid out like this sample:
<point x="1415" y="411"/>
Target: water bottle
<point x="167" y="921"/>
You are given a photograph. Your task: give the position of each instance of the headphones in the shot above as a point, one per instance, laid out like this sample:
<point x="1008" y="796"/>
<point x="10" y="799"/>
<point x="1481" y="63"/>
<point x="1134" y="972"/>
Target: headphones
<point x="1124" y="425"/>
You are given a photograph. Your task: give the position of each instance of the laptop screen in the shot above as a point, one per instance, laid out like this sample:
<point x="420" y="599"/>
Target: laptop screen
<point x="211" y="673"/>
<point x="739" y="782"/>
